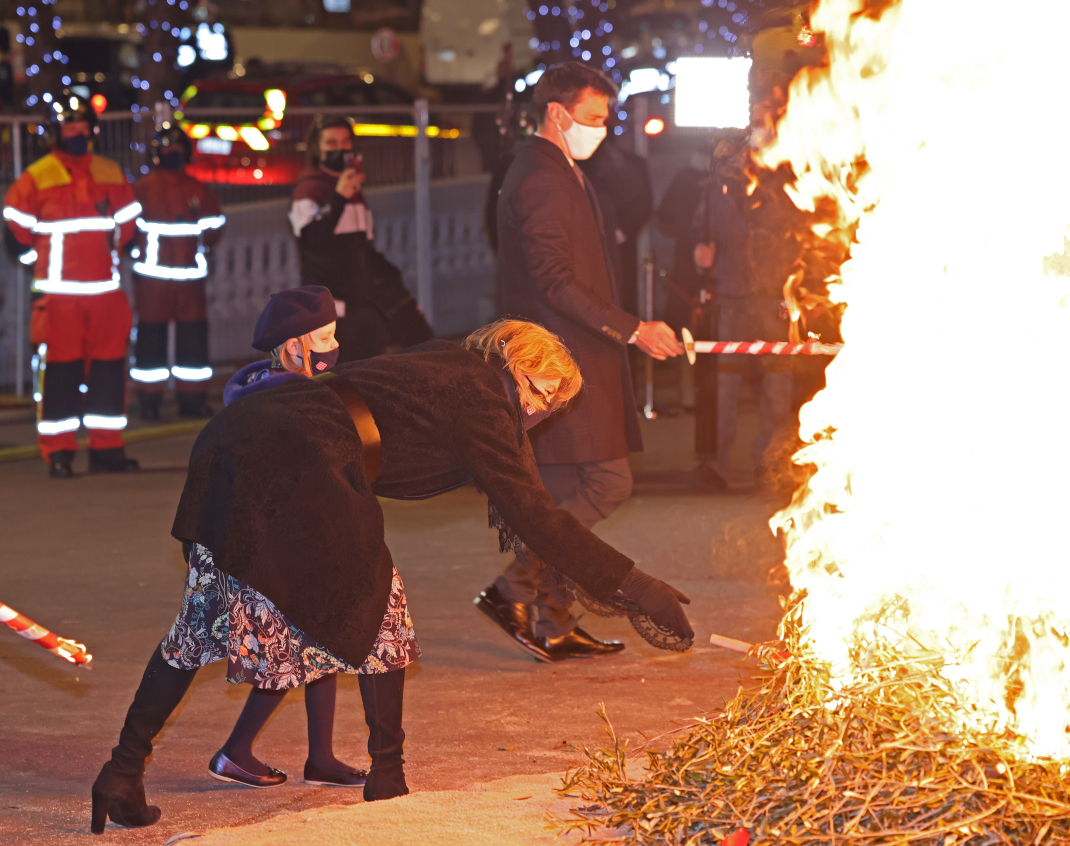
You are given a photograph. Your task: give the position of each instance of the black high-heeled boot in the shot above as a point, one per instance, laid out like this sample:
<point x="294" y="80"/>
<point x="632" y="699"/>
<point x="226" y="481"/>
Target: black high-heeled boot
<point x="119" y="791"/>
<point x="382" y="695"/>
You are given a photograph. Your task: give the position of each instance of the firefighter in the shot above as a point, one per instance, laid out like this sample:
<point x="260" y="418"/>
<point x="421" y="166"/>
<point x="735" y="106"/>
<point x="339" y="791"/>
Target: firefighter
<point x="71" y="211"/>
<point x="179" y="222"/>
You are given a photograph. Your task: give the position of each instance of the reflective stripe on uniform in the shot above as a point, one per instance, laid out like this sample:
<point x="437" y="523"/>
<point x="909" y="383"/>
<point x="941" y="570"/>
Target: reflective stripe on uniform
<point x="103" y="421"/>
<point x="54" y="283"/>
<point x="65" y="286"/>
<point x="191" y="374"/>
<point x="127" y="212"/>
<point x="155" y="374"/>
<point x="58" y="427"/>
<point x="151" y="268"/>
<point x="21" y="218"/>
<point x="75" y="224"/>
<point x="153" y="230"/>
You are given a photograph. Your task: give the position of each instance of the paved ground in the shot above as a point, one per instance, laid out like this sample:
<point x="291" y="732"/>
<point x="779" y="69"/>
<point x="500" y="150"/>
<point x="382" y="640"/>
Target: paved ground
<point x="92" y="559"/>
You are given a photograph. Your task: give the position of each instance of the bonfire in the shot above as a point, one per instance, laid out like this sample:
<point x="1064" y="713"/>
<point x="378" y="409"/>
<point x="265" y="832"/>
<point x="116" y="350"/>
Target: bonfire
<point x="920" y="690"/>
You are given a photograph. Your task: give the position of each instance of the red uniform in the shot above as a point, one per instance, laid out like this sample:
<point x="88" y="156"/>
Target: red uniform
<point x="180" y="219"/>
<point x="76" y="212"/>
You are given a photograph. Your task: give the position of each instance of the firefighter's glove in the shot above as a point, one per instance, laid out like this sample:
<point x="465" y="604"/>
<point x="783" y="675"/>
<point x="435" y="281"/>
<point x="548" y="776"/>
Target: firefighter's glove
<point x="659" y="601"/>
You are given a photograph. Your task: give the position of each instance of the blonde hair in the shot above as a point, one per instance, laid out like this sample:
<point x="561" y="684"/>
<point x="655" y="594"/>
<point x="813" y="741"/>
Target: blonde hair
<point x="530" y="350"/>
<point x="282" y="359"/>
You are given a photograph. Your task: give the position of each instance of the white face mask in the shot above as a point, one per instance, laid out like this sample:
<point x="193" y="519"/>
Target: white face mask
<point x="582" y="140"/>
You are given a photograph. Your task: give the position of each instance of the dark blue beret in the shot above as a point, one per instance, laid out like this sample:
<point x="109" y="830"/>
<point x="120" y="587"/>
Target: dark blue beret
<point x="292" y="313"/>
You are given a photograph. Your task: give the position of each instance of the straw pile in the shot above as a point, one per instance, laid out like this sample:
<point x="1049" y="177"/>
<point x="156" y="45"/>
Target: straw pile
<point x="794" y="763"/>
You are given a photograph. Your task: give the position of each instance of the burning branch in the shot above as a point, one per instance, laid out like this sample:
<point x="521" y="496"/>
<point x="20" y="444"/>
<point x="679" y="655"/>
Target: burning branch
<point x="801" y="761"/>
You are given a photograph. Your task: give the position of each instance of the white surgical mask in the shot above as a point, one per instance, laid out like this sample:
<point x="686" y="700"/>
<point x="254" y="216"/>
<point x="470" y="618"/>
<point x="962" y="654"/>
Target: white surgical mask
<point x="582" y="140"/>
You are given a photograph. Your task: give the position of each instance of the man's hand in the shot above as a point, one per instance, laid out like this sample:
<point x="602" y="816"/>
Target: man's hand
<point x="704" y="255"/>
<point x="349" y="182"/>
<point x="658" y="340"/>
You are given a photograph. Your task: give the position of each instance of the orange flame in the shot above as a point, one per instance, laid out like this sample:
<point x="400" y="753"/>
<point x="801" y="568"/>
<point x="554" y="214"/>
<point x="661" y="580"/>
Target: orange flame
<point x="941" y="459"/>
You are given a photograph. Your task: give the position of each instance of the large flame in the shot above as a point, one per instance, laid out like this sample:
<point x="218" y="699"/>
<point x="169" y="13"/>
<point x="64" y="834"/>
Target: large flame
<point x="935" y="518"/>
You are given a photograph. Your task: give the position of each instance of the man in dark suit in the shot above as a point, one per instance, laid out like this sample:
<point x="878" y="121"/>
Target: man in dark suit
<point x="555" y="269"/>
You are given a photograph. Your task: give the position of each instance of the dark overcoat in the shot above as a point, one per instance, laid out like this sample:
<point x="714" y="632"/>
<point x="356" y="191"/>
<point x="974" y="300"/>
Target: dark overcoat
<point x="554" y="268"/>
<point x="276" y="487"/>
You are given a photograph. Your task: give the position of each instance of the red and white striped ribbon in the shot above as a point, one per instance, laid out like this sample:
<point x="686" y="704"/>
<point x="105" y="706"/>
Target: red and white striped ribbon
<point x="766" y="348"/>
<point x="691" y="347"/>
<point x="67" y="649"/>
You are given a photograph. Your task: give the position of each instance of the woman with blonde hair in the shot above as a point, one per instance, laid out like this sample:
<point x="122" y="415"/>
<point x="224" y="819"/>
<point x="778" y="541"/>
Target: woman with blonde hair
<point x="544" y="374"/>
<point x="292" y="514"/>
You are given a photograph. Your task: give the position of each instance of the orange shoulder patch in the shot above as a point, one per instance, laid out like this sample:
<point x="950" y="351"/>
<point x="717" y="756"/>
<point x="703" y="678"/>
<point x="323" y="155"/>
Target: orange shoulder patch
<point x="105" y="171"/>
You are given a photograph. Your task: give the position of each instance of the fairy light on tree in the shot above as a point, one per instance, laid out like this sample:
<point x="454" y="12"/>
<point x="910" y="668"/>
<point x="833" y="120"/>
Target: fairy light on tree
<point x="43" y="59"/>
<point x="161" y="27"/>
<point x="550" y="42"/>
<point x="159" y="83"/>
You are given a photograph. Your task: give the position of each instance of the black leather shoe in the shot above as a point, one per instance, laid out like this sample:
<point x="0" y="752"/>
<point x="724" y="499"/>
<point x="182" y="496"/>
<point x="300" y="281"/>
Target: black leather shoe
<point x="513" y="618"/>
<point x="111" y="461"/>
<point x="224" y="769"/>
<point x="59" y="464"/>
<point x="577" y="644"/>
<point x="352" y="777"/>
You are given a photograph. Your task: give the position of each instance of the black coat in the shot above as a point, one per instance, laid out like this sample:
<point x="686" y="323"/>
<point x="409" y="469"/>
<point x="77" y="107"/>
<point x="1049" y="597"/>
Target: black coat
<point x="276" y="487"/>
<point x="622" y="181"/>
<point x="554" y="268"/>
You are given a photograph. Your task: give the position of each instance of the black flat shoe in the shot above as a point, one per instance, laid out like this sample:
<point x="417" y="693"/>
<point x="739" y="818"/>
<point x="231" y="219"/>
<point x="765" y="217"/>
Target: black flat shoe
<point x="577" y="644"/>
<point x="352" y="777"/>
<point x="513" y="618"/>
<point x="122" y="800"/>
<point x="224" y="769"/>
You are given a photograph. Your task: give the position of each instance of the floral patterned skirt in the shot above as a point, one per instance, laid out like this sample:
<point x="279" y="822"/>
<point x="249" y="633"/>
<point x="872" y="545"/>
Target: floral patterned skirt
<point x="222" y="617"/>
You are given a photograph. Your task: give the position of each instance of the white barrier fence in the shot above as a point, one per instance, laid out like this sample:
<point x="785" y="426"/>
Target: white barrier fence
<point x="258" y="257"/>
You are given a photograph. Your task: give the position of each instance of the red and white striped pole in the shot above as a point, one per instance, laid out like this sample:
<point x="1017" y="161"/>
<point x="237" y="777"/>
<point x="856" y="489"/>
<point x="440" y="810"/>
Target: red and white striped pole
<point x="691" y="347"/>
<point x="67" y="649"/>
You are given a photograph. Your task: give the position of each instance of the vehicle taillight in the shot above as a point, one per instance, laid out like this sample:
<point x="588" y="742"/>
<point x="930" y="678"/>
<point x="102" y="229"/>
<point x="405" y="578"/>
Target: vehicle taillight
<point x="254" y="138"/>
<point x="276" y="102"/>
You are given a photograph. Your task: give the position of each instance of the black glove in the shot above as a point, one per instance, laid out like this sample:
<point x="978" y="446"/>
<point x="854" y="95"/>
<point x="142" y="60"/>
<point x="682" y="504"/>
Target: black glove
<point x="659" y="601"/>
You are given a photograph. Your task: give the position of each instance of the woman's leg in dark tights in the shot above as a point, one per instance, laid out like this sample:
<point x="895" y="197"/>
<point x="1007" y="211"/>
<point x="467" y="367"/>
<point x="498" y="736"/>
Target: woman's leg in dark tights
<point x="320" y="697"/>
<point x="119" y="791"/>
<point x="258" y="709"/>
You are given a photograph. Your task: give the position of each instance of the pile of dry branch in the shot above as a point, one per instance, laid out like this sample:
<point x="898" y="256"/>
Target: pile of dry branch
<point x="789" y="766"/>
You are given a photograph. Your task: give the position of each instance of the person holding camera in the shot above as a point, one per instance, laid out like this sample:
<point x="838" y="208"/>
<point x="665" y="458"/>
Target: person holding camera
<point x="333" y="227"/>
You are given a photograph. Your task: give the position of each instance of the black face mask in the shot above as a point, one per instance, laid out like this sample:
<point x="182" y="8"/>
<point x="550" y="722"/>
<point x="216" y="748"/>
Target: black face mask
<point x="76" y="145"/>
<point x="319" y="362"/>
<point x="171" y="160"/>
<point x="336" y="160"/>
